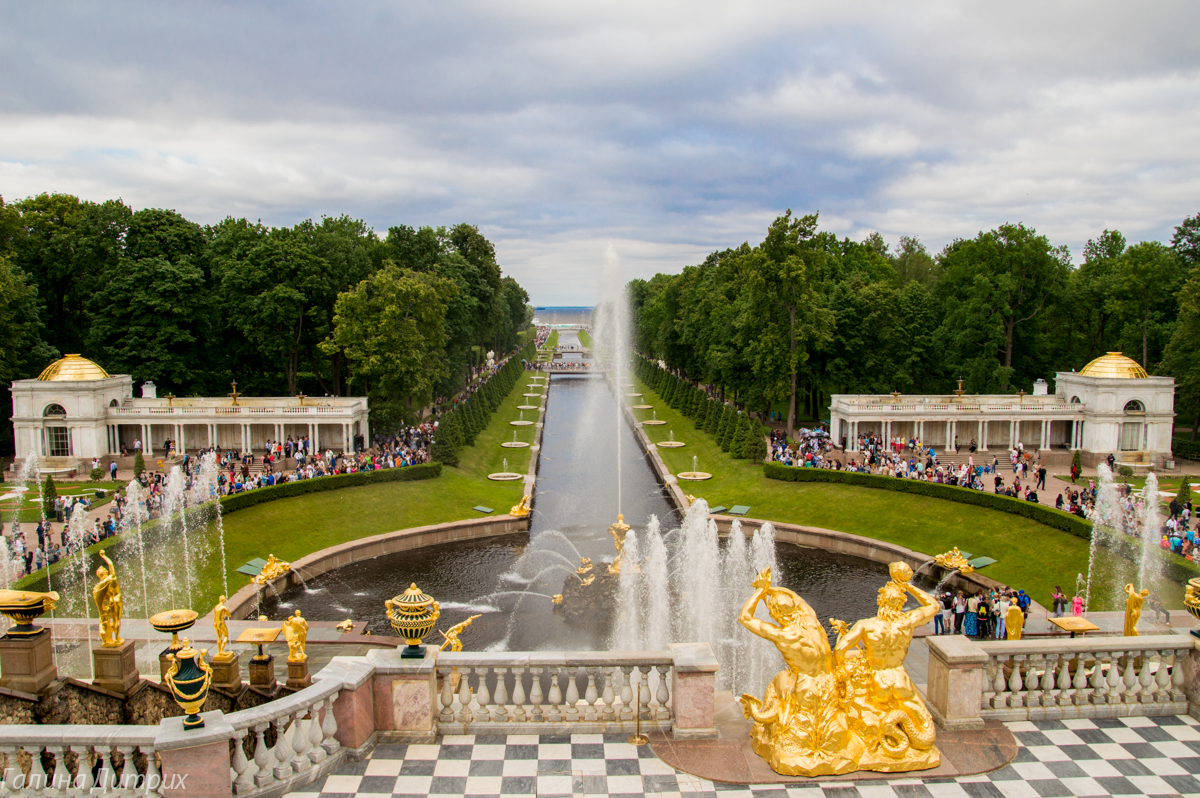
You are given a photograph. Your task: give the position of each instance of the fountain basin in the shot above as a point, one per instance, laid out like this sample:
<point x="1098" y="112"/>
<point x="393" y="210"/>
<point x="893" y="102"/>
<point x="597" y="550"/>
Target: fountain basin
<point x="670" y="444"/>
<point x="694" y="476"/>
<point x="527" y="407"/>
<point x="535" y="395"/>
<point x="505" y="476"/>
<point x="654" y="421"/>
<point x="641" y="407"/>
<point x="519" y="423"/>
<point x="633" y="394"/>
<point x="514" y="444"/>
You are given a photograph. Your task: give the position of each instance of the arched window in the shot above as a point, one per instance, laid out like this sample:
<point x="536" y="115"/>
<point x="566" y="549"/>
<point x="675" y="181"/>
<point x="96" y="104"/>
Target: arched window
<point x="57" y="439"/>
<point x="1134" y="406"/>
<point x="1075" y="400"/>
<point x="54" y="410"/>
<point x="113" y="403"/>
<point x="1133" y="433"/>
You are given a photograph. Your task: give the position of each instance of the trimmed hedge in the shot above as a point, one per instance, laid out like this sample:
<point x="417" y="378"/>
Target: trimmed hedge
<point x="250" y="498"/>
<point x="1174" y="567"/>
<point x="1186" y="450"/>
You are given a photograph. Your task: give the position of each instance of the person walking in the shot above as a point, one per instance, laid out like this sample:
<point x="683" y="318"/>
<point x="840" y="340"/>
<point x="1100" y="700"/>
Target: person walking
<point x="971" y="622"/>
<point x="1041" y="478"/>
<point x="1059" y="601"/>
<point x="960" y="611"/>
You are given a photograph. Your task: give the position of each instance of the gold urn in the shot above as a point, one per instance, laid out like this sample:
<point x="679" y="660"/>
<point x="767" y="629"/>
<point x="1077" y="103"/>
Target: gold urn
<point x="1191" y="601"/>
<point x="173" y="622"/>
<point x="23" y="607"/>
<point x="412" y="615"/>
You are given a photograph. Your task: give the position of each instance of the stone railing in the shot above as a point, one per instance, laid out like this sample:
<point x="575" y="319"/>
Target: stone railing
<point x="1058" y="678"/>
<point x="354" y="702"/>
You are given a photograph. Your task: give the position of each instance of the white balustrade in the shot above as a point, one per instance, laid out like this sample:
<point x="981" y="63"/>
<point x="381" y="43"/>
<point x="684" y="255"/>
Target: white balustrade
<point x="1040" y="679"/>
<point x="74" y="760"/>
<point x="548" y="694"/>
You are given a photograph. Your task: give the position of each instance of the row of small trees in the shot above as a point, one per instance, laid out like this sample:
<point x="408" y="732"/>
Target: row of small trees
<point x="460" y="425"/>
<point x="736" y="432"/>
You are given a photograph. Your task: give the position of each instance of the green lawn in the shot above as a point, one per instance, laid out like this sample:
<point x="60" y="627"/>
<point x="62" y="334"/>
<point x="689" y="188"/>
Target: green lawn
<point x="29" y="509"/>
<point x="585" y="338"/>
<point x="291" y="528"/>
<point x="1030" y="555"/>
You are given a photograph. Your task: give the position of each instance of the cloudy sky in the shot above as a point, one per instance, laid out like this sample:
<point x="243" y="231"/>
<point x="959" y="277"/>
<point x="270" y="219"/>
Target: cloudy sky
<point x="667" y="128"/>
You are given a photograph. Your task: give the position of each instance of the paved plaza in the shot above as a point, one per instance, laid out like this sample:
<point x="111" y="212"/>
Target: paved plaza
<point x="1128" y="756"/>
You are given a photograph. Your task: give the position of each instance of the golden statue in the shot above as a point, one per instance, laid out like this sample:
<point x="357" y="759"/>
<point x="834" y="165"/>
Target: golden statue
<point x="452" y="634"/>
<point x="521" y="509"/>
<point x="800" y="727"/>
<point x="850" y="708"/>
<point x="1014" y="622"/>
<point x="618" y="531"/>
<point x="557" y="599"/>
<point x="585" y="566"/>
<point x="954" y="560"/>
<point x="295" y="631"/>
<point x="221" y="615"/>
<point x="884" y="708"/>
<point x="345" y="626"/>
<point x="1133" y="609"/>
<point x="109" y="603"/>
<point x="273" y="569"/>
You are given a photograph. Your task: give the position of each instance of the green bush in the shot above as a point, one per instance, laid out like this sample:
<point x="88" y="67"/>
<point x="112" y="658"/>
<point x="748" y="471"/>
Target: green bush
<point x="96" y="474"/>
<point x="413" y="473"/>
<point x="49" y="494"/>
<point x="756" y="448"/>
<point x="139" y="465"/>
<point x="723" y="428"/>
<point x="713" y="422"/>
<point x="1056" y="519"/>
<point x="1125" y="471"/>
<point x="737" y="447"/>
<point x="1185" y="491"/>
<point x="1185" y="450"/>
<point x="1077" y="462"/>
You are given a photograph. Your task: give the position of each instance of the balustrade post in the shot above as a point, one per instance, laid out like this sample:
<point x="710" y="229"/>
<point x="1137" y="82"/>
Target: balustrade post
<point x="695" y="669"/>
<point x="555" y="697"/>
<point x="329" y="726"/>
<point x="663" y="694"/>
<point x="350" y="713"/>
<point x="572" y="696"/>
<point x="518" y="696"/>
<point x="956" y="674"/>
<point x="404" y="694"/>
<point x="1114" y="679"/>
<point x="535" y="692"/>
<point x="262" y="756"/>
<point x="1185" y="676"/>
<point x="244" y="767"/>
<point x="627" y="693"/>
<point x="609" y="696"/>
<point x="590" y="696"/>
<point x="501" y="697"/>
<point x="483" y="697"/>
<point x="194" y="761"/>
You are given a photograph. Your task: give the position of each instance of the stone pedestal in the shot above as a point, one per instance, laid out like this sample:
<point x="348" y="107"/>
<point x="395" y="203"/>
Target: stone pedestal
<point x="262" y="673"/>
<point x="227" y="672"/>
<point x="116" y="668"/>
<point x="405" y="694"/>
<point x="694" y="691"/>
<point x="195" y="761"/>
<point x="955" y="690"/>
<point x="298" y="677"/>
<point x="27" y="663"/>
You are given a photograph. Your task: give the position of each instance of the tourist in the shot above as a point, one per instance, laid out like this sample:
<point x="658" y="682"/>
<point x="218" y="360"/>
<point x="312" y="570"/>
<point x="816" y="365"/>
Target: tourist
<point x="971" y="621"/>
<point x="960" y="611"/>
<point x="947" y="611"/>
<point x="1059" y="601"/>
<point x="1077" y="606"/>
<point x="999" y="610"/>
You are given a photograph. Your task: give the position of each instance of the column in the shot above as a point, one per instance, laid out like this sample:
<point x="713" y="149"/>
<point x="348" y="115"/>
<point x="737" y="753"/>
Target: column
<point x="983" y="434"/>
<point x="949" y="435"/>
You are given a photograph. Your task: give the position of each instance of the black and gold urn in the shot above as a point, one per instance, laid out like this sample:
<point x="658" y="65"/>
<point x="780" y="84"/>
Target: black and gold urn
<point x="1191" y="600"/>
<point x="188" y="679"/>
<point x="24" y="607"/>
<point x="412" y="615"/>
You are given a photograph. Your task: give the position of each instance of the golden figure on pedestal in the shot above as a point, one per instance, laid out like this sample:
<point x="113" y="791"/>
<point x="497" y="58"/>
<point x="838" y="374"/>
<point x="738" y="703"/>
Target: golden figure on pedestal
<point x="618" y="530"/>
<point x="1014" y="622"/>
<point x="850" y="708"/>
<point x="221" y="617"/>
<point x="272" y="570"/>
<point x="295" y="632"/>
<point x="954" y="560"/>
<point x="1133" y="609"/>
<point x="452" y="634"/>
<point x="109" y="603"/>
<point x="521" y="509"/>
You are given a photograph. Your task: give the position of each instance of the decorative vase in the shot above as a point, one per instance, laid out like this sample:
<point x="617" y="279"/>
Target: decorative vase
<point x="23" y="607"/>
<point x="188" y="679"/>
<point x="412" y="615"/>
<point x="1191" y="601"/>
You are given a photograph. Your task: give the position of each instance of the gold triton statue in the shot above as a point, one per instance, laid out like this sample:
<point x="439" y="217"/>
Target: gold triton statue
<point x="850" y="708"/>
<point x="109" y="603"/>
<point x="221" y="616"/>
<point x="954" y="561"/>
<point x="521" y="509"/>
<point x="273" y="569"/>
<point x="452" y="634"/>
<point x="1014" y="622"/>
<point x="618" y="531"/>
<point x="295" y="632"/>
<point x="1133" y="609"/>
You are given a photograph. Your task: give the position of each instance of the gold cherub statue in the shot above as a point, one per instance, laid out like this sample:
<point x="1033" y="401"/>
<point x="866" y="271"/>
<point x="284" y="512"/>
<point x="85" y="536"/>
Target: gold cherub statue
<point x="521" y="509"/>
<point x="295" y="631"/>
<point x="954" y="560"/>
<point x="221" y="617"/>
<point x="585" y="566"/>
<point x="273" y="569"/>
<point x="1133" y="609"/>
<point x="452" y="634"/>
<point x="109" y="603"/>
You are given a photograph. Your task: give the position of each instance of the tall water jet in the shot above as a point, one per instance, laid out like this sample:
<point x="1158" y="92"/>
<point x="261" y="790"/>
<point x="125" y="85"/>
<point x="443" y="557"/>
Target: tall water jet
<point x="136" y="514"/>
<point x="175" y="502"/>
<point x="208" y="486"/>
<point x="77" y="531"/>
<point x="1106" y="521"/>
<point x="630" y="610"/>
<point x="1150" y="527"/>
<point x="611" y="336"/>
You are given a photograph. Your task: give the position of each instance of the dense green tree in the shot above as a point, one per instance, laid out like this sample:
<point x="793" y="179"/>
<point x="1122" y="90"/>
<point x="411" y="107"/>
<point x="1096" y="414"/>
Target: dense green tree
<point x="1148" y="276"/>
<point x="1181" y="359"/>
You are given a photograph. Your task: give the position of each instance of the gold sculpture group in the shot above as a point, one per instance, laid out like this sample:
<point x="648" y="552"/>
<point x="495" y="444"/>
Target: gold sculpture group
<point x="954" y="560"/>
<point x="852" y="707"/>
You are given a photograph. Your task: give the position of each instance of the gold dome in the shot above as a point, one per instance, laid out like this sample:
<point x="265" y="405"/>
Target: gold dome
<point x="72" y="368"/>
<point x="1114" y="365"/>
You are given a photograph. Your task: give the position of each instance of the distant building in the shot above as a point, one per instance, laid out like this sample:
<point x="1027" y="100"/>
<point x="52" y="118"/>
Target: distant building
<point x="75" y="410"/>
<point x="1111" y="406"/>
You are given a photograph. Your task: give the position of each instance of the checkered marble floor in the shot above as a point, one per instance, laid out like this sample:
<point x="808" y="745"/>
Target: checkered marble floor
<point x="1130" y="756"/>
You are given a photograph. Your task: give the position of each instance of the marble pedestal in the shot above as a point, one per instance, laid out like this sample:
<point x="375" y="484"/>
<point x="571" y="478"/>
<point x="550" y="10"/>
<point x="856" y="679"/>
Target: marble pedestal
<point x="116" y="668"/>
<point x="27" y="663"/>
<point x="262" y="673"/>
<point x="298" y="677"/>
<point x="227" y="672"/>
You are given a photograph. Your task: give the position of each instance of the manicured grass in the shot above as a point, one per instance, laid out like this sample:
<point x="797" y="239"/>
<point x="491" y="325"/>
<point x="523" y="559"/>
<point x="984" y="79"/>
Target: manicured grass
<point x="290" y="528"/>
<point x="28" y="507"/>
<point x="585" y="338"/>
<point x="1030" y="555"/>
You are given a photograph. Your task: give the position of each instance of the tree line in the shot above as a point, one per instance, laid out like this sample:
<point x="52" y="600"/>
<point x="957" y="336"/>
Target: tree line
<point x="803" y="314"/>
<point x="322" y="307"/>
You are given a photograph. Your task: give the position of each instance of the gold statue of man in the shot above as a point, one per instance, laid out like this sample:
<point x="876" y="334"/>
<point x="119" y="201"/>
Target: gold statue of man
<point x="221" y="616"/>
<point x="618" y="531"/>
<point x="452" y="634"/>
<point x="883" y="704"/>
<point x="1133" y="609"/>
<point x="109" y="603"/>
<point x="799" y="726"/>
<point x="295" y="631"/>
